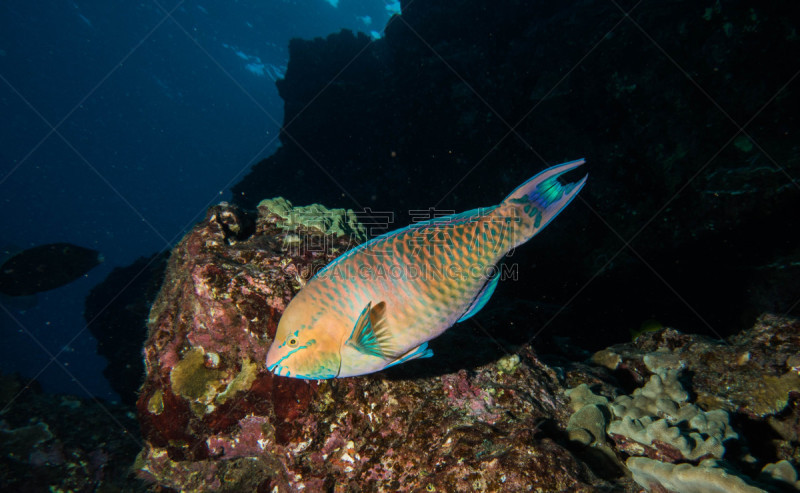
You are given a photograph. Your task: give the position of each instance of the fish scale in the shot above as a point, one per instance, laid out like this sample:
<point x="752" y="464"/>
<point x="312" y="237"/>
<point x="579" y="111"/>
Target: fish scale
<point x="378" y="304"/>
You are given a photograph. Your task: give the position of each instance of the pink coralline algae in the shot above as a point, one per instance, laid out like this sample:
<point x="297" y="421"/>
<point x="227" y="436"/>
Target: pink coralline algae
<point x="476" y="401"/>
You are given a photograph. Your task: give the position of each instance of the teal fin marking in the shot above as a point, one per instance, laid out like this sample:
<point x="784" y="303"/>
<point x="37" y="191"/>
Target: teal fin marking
<point x="370" y="333"/>
<point x="483" y="297"/>
<point x="418" y="352"/>
<point x="544" y="188"/>
<point x="547" y="192"/>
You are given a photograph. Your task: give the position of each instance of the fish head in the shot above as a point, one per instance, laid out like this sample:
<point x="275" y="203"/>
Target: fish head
<point x="307" y="345"/>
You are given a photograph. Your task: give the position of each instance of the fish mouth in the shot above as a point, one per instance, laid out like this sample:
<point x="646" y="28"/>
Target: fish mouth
<point x="278" y="370"/>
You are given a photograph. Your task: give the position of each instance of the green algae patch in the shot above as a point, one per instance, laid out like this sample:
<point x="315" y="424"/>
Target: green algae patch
<point x="340" y="222"/>
<point x="773" y="396"/>
<point x="278" y="206"/>
<point x="205" y="387"/>
<point x="508" y="364"/>
<point x="193" y="381"/>
<point x="242" y="381"/>
<point x="155" y="405"/>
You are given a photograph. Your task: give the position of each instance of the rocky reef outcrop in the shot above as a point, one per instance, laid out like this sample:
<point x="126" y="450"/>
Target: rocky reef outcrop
<point x="54" y="442"/>
<point x="215" y="419"/>
<point x="473" y="418"/>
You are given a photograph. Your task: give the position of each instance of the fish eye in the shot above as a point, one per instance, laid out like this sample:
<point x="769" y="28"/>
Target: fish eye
<point x="292" y="342"/>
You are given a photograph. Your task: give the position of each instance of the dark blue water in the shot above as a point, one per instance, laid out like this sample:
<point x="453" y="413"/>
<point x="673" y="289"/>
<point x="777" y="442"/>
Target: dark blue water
<point x="121" y="122"/>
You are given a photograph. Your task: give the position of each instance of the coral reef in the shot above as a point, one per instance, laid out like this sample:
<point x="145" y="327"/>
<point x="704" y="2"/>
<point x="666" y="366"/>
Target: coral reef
<point x="215" y="419"/>
<point x="64" y="443"/>
<point x="781" y="474"/>
<point x="686" y="478"/>
<point x="590" y="417"/>
<point x="751" y="372"/>
<point x="658" y="421"/>
<point x="675" y="445"/>
<point x="392" y="122"/>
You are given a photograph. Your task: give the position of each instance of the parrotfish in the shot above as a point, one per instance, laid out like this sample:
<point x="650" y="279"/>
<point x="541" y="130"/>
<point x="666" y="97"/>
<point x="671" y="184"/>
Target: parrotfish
<point x="379" y="304"/>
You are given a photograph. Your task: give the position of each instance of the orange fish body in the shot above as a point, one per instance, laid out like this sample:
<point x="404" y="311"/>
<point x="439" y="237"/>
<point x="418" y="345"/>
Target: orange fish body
<point x="378" y="304"/>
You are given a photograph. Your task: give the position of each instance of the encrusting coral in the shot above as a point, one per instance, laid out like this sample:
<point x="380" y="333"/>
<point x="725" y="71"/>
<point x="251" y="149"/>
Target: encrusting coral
<point x="707" y="477"/>
<point x="781" y="473"/>
<point x="754" y="372"/>
<point x="658" y="421"/>
<point x="339" y="222"/>
<point x="588" y="422"/>
<point x="673" y="445"/>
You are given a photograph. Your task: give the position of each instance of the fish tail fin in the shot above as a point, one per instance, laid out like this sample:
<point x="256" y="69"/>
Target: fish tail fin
<point x="535" y="203"/>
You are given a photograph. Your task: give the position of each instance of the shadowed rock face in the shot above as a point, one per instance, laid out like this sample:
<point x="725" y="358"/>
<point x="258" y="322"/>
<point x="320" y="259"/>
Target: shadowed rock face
<point x="655" y="103"/>
<point x="116" y="313"/>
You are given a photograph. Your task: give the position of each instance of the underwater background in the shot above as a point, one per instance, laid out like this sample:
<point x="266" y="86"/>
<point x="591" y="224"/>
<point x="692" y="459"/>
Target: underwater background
<point x="660" y="301"/>
<point x="161" y="116"/>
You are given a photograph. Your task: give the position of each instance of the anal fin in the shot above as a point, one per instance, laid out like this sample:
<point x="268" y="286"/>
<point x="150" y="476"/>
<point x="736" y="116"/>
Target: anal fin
<point x="418" y="352"/>
<point x="482" y="298"/>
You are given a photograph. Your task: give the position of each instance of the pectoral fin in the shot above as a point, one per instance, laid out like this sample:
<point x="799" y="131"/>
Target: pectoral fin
<point x="371" y="333"/>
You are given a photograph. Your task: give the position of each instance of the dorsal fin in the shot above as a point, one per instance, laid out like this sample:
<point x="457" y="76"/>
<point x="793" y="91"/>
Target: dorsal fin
<point x="370" y="333"/>
<point x="482" y="298"/>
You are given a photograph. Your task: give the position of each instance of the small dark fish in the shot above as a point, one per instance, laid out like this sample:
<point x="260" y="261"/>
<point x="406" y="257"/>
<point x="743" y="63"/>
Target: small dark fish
<point x="45" y="267"/>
